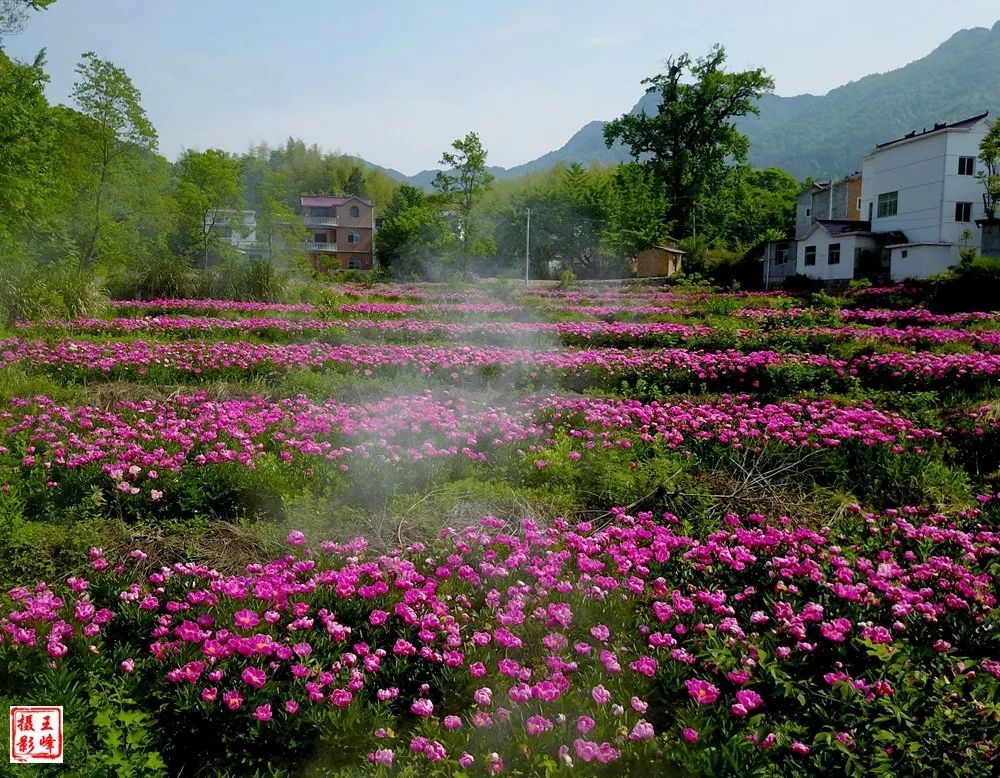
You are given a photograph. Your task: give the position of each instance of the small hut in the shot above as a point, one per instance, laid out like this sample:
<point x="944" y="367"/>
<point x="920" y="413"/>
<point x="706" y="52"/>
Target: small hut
<point x="659" y="261"/>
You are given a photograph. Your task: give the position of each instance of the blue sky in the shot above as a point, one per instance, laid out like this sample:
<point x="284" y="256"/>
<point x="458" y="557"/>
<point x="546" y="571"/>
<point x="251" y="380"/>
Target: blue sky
<point x="395" y="82"/>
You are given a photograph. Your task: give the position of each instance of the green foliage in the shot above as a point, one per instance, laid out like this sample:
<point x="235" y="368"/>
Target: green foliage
<point x="415" y="240"/>
<point x="162" y="276"/>
<point x="461" y="185"/>
<point x="691" y="139"/>
<point x="31" y="291"/>
<point x="989" y="153"/>
<point x="208" y="196"/>
<point x="26" y="129"/>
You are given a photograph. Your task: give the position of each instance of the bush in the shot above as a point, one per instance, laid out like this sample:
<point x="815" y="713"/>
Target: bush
<point x="972" y="286"/>
<point x="31" y="291"/>
<point x="162" y="276"/>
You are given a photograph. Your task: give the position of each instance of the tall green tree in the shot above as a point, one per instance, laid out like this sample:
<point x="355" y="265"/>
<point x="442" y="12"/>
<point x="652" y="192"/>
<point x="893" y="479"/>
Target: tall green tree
<point x="414" y="238"/>
<point x="692" y="138"/>
<point x="989" y="153"/>
<point x="208" y="195"/>
<point x="26" y="169"/>
<point x="279" y="226"/>
<point x="461" y="184"/>
<point x="120" y="128"/>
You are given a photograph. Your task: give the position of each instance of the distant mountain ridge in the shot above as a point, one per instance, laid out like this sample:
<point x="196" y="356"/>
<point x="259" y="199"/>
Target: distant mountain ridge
<point x="827" y="135"/>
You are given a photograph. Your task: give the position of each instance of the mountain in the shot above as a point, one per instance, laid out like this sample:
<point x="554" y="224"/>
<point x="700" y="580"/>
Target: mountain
<point x="828" y="135"/>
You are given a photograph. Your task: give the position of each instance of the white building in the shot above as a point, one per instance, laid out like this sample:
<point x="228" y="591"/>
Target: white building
<point x="238" y="228"/>
<point x="924" y="185"/>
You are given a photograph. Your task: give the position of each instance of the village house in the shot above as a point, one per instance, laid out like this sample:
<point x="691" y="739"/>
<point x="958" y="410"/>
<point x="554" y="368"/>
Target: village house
<point x="340" y="232"/>
<point x="924" y="185"/>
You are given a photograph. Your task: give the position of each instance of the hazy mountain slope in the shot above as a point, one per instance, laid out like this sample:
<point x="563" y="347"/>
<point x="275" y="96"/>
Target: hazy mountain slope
<point x="828" y="135"/>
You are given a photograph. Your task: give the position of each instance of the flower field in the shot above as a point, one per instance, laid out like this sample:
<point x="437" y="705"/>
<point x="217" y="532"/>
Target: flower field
<point x="418" y="530"/>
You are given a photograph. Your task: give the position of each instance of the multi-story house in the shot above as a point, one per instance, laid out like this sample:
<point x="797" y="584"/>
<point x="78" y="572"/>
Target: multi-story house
<point x="840" y="199"/>
<point x="341" y="231"/>
<point x="924" y="185"/>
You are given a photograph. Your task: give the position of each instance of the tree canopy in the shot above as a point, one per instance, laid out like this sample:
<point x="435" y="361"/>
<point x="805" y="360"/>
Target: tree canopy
<point x="692" y="139"/>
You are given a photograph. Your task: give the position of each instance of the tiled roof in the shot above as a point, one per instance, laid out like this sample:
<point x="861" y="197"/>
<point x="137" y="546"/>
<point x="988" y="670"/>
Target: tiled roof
<point x="960" y="125"/>
<point x="324" y="200"/>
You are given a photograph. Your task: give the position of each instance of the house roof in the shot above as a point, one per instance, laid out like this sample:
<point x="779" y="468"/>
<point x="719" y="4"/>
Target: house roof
<point x="843" y="226"/>
<point x="938" y="127"/>
<point x="671" y="249"/>
<point x="324" y="200"/>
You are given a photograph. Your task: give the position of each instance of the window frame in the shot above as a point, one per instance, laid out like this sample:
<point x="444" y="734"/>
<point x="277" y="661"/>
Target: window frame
<point x="830" y="251"/>
<point x="966" y="166"/>
<point x="887" y="205"/>
<point x="355" y="212"/>
<point x="810" y="253"/>
<point x="353" y="237"/>
<point x="963" y="212"/>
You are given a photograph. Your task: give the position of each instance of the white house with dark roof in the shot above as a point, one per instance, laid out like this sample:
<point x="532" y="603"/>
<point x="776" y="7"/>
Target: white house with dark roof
<point x="833" y="248"/>
<point x="924" y="185"/>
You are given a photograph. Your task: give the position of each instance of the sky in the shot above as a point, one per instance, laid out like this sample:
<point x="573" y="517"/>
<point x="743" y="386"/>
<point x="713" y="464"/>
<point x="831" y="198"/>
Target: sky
<point x="396" y="81"/>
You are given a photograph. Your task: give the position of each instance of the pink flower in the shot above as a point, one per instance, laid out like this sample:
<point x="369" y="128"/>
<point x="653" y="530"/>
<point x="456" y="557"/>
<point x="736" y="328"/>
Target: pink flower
<point x="295" y="538"/>
<point x="536" y="725"/>
<point x="643" y="730"/>
<point x="422" y="707"/>
<point x="600" y="632"/>
<point x="701" y="691"/>
<point x="465" y="760"/>
<point x="748" y="699"/>
<point x="800" y="748"/>
<point x="483" y="696"/>
<point x="601" y="695"/>
<point x="263" y="713"/>
<point x="639" y="706"/>
<point x="291" y="707"/>
<point x="382" y="756"/>
<point x="690" y="735"/>
<point x="254" y="676"/>
<point x="452" y="722"/>
<point x="246" y="619"/>
<point x="232" y="699"/>
<point x="341" y="698"/>
<point x="584" y="724"/>
<point x="127" y="666"/>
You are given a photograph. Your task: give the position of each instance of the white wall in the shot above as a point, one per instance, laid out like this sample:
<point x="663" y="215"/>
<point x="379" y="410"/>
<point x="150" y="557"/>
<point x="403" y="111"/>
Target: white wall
<point x="924" y="171"/>
<point x="821" y="239"/>
<point x="921" y="261"/>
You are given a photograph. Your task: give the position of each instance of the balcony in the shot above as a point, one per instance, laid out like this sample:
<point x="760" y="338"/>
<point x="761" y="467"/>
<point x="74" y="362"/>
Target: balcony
<point x="320" y="221"/>
<point x="320" y="247"/>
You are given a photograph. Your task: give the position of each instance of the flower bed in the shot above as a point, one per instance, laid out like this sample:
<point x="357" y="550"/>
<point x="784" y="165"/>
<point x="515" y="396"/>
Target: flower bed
<point x="753" y="647"/>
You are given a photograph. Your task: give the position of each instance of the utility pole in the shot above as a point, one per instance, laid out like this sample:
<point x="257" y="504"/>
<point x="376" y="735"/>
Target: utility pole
<point x="527" y="246"/>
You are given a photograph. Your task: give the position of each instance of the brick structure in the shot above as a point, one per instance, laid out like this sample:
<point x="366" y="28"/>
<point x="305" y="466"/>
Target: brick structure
<point x="341" y="231"/>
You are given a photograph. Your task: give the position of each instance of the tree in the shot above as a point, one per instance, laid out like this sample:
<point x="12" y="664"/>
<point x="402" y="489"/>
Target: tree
<point x="355" y="185"/>
<point x="692" y="138"/>
<point x="14" y="14"/>
<point x="461" y="184"/>
<point x="279" y="226"/>
<point x="414" y="236"/>
<point x="25" y="142"/>
<point x="108" y="97"/>
<point x="208" y="194"/>
<point x="989" y="153"/>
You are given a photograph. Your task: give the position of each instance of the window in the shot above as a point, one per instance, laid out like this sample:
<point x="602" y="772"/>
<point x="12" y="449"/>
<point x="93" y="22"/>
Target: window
<point x="321" y="211"/>
<point x="888" y="204"/>
<point x="904" y="253"/>
<point x="781" y="255"/>
<point x="869" y="210"/>
<point x="353" y="237"/>
<point x="319" y="237"/>
<point x="810" y="255"/>
<point x="833" y="254"/>
<point x="808" y="211"/>
<point x="354" y="263"/>
<point x="966" y="166"/>
<point x="963" y="212"/>
<point x="858" y="206"/>
<point x="355" y="212"/>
